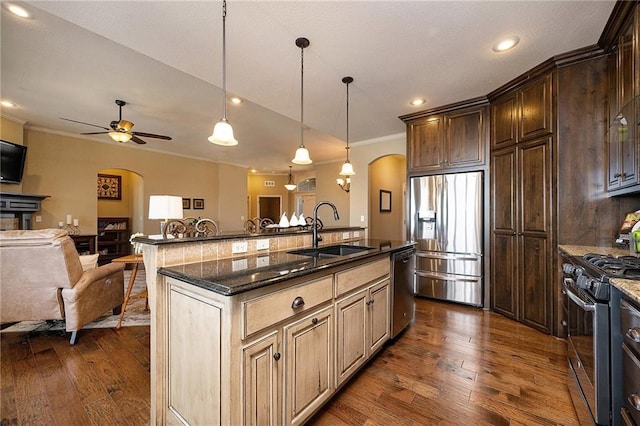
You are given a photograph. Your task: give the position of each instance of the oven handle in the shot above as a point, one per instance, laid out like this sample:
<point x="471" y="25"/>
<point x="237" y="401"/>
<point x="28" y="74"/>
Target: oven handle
<point x="588" y="307"/>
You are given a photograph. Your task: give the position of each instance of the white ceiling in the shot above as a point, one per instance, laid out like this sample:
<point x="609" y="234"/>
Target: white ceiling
<point x="73" y="59"/>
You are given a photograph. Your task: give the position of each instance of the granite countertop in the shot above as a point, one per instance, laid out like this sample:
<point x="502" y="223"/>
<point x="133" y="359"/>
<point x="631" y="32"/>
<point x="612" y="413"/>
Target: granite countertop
<point x="630" y="288"/>
<point x="239" y="274"/>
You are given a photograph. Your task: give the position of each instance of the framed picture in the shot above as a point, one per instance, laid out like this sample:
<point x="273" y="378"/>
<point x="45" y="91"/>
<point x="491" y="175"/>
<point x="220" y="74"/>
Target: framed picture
<point x="198" y="203"/>
<point x="109" y="187"/>
<point x="186" y="203"/>
<point x="385" y="201"/>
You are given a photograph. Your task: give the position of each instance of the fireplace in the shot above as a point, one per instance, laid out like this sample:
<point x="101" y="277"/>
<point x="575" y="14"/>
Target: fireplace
<point x="16" y="210"/>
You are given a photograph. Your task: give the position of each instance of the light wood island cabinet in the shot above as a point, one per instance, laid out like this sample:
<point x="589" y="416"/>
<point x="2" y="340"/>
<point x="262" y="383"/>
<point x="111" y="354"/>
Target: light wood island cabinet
<point x="269" y="355"/>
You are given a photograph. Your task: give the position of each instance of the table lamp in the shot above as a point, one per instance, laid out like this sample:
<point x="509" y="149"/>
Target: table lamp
<point x="165" y="207"/>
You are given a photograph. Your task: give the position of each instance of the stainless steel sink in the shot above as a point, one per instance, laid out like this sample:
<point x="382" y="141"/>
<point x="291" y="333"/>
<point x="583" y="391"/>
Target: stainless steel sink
<point x="330" y="251"/>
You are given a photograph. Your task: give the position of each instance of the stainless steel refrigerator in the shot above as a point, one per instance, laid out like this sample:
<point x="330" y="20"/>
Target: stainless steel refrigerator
<point x="446" y="222"/>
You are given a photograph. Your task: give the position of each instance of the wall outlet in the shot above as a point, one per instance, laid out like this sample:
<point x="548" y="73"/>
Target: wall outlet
<point x="345" y="236"/>
<point x="239" y="264"/>
<point x="239" y="247"/>
<point x="361" y="218"/>
<point x="356" y="234"/>
<point x="38" y="218"/>
<point x="262" y="261"/>
<point x="262" y="244"/>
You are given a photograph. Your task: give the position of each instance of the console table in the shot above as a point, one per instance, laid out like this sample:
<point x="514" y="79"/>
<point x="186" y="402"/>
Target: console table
<point x="21" y="207"/>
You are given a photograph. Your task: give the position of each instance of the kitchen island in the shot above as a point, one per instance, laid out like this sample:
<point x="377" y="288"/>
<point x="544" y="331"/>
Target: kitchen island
<point x="266" y="336"/>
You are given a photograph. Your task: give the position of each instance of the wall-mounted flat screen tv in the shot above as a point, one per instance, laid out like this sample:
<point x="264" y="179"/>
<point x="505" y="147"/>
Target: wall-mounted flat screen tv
<point x="12" y="158"/>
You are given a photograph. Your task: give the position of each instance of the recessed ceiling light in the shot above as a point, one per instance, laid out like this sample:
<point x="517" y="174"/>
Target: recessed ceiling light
<point x="18" y="11"/>
<point x="8" y="104"/>
<point x="236" y="101"/>
<point x="418" y="102"/>
<point x="506" y="44"/>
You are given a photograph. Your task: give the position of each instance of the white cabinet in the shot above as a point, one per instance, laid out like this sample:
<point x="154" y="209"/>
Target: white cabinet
<point x="261" y="391"/>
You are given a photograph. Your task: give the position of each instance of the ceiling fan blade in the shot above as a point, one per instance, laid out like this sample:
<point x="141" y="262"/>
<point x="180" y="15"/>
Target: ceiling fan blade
<point x="137" y="140"/>
<point x="82" y="122"/>
<point x="151" y="135"/>
<point x="94" y="133"/>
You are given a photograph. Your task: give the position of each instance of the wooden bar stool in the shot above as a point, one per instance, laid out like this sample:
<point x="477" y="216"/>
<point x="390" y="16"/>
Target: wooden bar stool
<point x="136" y="260"/>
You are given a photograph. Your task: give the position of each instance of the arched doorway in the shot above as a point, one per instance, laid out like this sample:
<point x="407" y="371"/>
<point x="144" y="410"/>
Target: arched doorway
<point x="129" y="204"/>
<point x="387" y="195"/>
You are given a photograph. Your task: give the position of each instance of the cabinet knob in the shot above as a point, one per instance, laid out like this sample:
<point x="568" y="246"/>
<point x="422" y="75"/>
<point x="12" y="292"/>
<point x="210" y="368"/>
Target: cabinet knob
<point x="634" y="334"/>
<point x="634" y="400"/>
<point x="564" y="323"/>
<point x="617" y="175"/>
<point x="314" y="321"/>
<point x="370" y="302"/>
<point x="276" y="356"/>
<point x="298" y="302"/>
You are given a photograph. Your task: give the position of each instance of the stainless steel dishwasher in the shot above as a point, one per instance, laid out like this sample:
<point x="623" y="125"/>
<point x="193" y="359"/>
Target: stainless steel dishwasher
<point x="402" y="275"/>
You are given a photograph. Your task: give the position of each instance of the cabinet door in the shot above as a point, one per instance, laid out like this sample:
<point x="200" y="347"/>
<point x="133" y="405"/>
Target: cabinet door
<point x="425" y="139"/>
<point x="535" y="105"/>
<point x="628" y="146"/>
<point x="534" y="275"/>
<point x="309" y="365"/>
<point x="194" y="327"/>
<point x="626" y="65"/>
<point x="465" y="138"/>
<point x="351" y="334"/>
<point x="379" y="320"/>
<point x="504" y="294"/>
<point x="503" y="122"/>
<point x="261" y="390"/>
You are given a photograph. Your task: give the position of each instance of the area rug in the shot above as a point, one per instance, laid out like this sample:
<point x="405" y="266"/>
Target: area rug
<point x="134" y="316"/>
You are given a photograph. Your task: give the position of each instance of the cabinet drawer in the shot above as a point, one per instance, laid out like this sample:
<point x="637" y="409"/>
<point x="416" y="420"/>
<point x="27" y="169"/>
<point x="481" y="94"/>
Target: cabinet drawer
<point x="361" y="275"/>
<point x="631" y="383"/>
<point x="630" y="325"/>
<point x="272" y="308"/>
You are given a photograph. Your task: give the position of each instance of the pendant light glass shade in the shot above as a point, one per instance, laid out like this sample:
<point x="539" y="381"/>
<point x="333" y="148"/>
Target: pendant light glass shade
<point x="302" y="154"/>
<point x="223" y="134"/>
<point x="222" y="131"/>
<point x="290" y="185"/>
<point x="347" y="169"/>
<point x="120" y="136"/>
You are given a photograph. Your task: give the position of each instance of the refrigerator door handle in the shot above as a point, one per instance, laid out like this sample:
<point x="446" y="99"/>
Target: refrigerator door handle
<point x="446" y="256"/>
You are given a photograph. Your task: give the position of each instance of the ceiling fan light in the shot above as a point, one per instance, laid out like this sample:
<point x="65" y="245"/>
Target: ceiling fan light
<point x="120" y="136"/>
<point x="125" y="125"/>
<point x="302" y="156"/>
<point x="347" y="169"/>
<point x="223" y="134"/>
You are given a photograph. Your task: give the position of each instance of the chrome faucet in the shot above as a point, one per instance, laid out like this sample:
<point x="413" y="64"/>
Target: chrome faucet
<point x="314" y="224"/>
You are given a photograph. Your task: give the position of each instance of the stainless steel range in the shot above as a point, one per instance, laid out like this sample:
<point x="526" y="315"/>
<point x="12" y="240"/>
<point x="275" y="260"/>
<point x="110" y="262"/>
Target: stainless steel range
<point x="593" y="323"/>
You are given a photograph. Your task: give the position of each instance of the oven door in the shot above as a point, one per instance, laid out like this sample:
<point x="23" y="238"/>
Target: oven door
<point x="588" y="354"/>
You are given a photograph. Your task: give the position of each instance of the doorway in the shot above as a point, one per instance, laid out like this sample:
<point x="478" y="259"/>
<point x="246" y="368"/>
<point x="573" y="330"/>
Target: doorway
<point x="269" y="206"/>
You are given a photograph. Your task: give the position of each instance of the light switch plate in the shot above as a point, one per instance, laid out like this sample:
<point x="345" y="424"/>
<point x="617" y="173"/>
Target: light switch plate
<point x="262" y="244"/>
<point x="239" y="247"/>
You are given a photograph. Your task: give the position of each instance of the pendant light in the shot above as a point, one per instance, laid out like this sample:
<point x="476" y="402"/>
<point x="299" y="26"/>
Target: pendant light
<point x="223" y="132"/>
<point x="347" y="167"/>
<point x="290" y="185"/>
<point x="302" y="154"/>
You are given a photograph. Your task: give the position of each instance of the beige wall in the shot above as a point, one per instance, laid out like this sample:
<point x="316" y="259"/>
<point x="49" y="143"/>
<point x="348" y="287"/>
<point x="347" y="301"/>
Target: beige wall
<point x="387" y="173"/>
<point x="232" y="197"/>
<point x="256" y="187"/>
<point x="362" y="154"/>
<point x="65" y="168"/>
<point x="328" y="190"/>
<point x="11" y="131"/>
<point x="124" y="206"/>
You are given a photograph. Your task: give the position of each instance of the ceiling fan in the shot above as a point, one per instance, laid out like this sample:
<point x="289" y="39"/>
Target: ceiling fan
<point x="120" y="130"/>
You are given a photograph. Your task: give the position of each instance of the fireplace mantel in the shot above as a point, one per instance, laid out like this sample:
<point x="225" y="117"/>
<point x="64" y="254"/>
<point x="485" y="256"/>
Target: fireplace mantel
<point x="20" y="206"/>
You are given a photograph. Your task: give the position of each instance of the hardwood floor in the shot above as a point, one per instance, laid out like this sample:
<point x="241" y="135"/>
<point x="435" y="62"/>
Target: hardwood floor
<point x="455" y="366"/>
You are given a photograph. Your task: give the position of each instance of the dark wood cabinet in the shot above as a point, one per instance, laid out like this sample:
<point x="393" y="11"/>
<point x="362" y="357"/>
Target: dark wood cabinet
<point x="113" y="238"/>
<point x="453" y="139"/>
<point x="624" y="147"/>
<point x="521" y="200"/>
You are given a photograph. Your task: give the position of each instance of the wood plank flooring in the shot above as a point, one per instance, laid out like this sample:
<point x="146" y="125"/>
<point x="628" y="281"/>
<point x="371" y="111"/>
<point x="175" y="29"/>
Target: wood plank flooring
<point x="456" y="365"/>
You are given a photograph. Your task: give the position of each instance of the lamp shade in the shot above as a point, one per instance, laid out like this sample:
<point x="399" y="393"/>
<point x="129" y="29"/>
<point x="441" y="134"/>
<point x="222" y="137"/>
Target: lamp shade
<point x="165" y="207"/>
<point x="302" y="156"/>
<point x="347" y="169"/>
<point x="120" y="136"/>
<point x="223" y="134"/>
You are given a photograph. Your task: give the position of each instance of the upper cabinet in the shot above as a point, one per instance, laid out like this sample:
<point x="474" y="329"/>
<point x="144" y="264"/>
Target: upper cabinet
<point x="624" y="88"/>
<point x="452" y="137"/>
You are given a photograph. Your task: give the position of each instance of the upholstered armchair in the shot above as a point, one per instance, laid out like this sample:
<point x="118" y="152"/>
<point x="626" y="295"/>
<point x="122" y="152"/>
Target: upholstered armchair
<point x="42" y="279"/>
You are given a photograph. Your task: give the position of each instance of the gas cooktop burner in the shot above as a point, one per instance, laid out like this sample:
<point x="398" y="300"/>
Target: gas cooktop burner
<point x="618" y="267"/>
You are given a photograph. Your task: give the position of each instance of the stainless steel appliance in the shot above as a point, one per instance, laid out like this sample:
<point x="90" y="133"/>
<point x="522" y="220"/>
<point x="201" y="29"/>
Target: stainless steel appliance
<point x="446" y="222"/>
<point x="403" y="265"/>
<point x="594" y="337"/>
